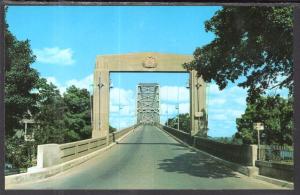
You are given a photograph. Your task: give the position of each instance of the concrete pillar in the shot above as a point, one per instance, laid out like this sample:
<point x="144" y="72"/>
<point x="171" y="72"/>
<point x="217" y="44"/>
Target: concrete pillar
<point x="101" y="104"/>
<point x="48" y="155"/>
<point x="198" y="105"/>
<point x="253" y="154"/>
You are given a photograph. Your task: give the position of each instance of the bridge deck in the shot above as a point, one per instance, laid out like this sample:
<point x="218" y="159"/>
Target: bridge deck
<point x="149" y="159"/>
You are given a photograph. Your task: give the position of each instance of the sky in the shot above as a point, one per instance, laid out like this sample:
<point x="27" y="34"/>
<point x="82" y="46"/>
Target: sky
<point x="67" y="39"/>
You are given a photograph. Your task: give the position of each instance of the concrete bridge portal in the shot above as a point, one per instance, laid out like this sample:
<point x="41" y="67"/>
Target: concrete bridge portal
<point x="144" y="62"/>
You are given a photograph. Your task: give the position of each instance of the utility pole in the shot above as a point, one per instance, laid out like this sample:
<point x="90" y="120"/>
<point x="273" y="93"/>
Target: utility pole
<point x="91" y="102"/>
<point x="178" y="107"/>
<point x="167" y="107"/>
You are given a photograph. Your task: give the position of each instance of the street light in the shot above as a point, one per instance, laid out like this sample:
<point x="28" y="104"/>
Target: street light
<point x="111" y="84"/>
<point x="258" y="127"/>
<point x="91" y="86"/>
<point x="187" y="84"/>
<point x="100" y="85"/>
<point x="178" y="107"/>
<point x="167" y="107"/>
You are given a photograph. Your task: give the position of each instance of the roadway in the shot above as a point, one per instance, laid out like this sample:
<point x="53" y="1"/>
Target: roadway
<point x="148" y="158"/>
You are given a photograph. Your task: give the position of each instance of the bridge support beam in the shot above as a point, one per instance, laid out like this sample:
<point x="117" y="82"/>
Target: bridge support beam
<point x="198" y="112"/>
<point x="101" y="104"/>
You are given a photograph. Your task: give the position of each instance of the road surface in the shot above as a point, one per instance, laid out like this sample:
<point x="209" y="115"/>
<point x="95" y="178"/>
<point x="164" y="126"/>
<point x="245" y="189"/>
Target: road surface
<point x="148" y="158"/>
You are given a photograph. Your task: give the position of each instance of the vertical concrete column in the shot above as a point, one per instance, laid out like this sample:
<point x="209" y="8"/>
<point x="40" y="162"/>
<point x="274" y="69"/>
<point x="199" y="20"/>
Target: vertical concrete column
<point x="197" y="104"/>
<point x="48" y="155"/>
<point x="253" y="154"/>
<point x="101" y="104"/>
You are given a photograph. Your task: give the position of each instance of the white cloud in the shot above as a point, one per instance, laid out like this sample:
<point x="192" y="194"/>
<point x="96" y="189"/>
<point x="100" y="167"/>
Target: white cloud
<point x="54" y="81"/>
<point x="122" y="96"/>
<point x="83" y="83"/>
<point x="170" y="109"/>
<point x="122" y="122"/>
<point x="224" y="106"/>
<point x="184" y="107"/>
<point x="216" y="101"/>
<point x="170" y="94"/>
<point x="54" y="55"/>
<point x="122" y="102"/>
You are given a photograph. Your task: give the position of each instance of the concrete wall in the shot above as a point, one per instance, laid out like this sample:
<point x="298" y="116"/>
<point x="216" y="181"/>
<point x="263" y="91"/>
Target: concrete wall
<point x="241" y="154"/>
<point x="52" y="154"/>
<point x="276" y="170"/>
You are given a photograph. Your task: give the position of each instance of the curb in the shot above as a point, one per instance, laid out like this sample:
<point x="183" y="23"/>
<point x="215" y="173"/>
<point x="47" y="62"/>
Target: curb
<point x="274" y="181"/>
<point x="54" y="170"/>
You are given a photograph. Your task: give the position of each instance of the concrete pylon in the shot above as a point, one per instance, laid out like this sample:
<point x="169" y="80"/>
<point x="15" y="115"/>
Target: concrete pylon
<point x="198" y="105"/>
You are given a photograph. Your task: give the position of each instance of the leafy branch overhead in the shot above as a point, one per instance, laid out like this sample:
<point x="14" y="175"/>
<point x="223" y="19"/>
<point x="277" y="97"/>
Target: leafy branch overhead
<point x="252" y="45"/>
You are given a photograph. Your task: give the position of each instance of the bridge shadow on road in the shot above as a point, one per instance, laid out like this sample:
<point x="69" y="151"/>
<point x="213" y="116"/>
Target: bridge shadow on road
<point x="196" y="164"/>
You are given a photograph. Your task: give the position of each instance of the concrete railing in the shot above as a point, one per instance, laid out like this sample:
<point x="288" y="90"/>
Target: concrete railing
<point x="184" y="136"/>
<point x="282" y="171"/>
<point x="53" y="154"/>
<point x="241" y="154"/>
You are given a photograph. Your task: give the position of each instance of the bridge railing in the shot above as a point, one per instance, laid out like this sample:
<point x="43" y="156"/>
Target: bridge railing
<point x="241" y="154"/>
<point x="53" y="154"/>
<point x="77" y="149"/>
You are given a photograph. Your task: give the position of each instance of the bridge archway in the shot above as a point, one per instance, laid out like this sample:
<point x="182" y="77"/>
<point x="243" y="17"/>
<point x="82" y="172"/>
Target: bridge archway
<point x="144" y="62"/>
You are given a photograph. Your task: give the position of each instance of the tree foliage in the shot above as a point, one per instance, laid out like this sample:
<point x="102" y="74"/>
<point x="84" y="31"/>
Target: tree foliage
<point x="20" y="79"/>
<point x="60" y="119"/>
<point x="77" y="116"/>
<point x="275" y="113"/>
<point x="51" y="109"/>
<point x="184" y="122"/>
<point x="252" y="43"/>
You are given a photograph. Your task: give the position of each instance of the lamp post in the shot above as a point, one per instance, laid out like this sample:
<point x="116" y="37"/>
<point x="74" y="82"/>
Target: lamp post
<point x="91" y="101"/>
<point x="258" y="127"/>
<point x="167" y="107"/>
<point x="178" y="107"/>
<point x="119" y="116"/>
<point x="100" y="85"/>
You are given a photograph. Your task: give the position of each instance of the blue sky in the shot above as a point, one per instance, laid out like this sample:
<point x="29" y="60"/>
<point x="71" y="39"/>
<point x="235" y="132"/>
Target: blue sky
<point x="66" y="41"/>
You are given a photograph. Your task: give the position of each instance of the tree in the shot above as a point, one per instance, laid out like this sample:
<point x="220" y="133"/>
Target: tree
<point x="77" y="117"/>
<point x="20" y="79"/>
<point x="252" y="43"/>
<point x="51" y="110"/>
<point x="184" y="122"/>
<point x="112" y="129"/>
<point x="275" y="113"/>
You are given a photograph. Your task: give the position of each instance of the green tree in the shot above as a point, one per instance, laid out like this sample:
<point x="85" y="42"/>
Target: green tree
<point x="112" y="129"/>
<point x="16" y="152"/>
<point x="20" y="79"/>
<point x="275" y="113"/>
<point x="51" y="110"/>
<point x="253" y="42"/>
<point x="77" y="117"/>
<point x="184" y="122"/>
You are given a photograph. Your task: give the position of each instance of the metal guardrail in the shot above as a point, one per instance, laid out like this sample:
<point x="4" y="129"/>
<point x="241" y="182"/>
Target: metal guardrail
<point x="276" y="153"/>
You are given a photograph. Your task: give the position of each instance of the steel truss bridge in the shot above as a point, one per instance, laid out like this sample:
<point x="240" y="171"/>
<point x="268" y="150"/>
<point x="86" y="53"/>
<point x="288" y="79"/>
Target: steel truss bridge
<point x="147" y="103"/>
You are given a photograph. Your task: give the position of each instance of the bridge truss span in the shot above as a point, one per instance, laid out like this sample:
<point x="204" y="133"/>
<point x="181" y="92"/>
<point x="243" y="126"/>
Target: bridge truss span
<point x="147" y="106"/>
